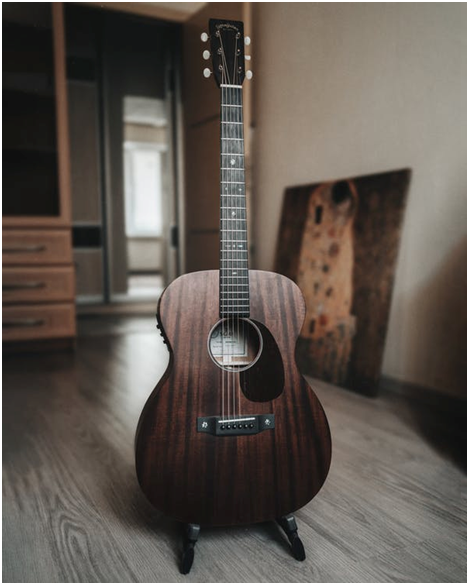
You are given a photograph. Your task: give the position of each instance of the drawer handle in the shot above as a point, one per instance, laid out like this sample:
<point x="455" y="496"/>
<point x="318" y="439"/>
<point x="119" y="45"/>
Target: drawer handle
<point x="23" y="285"/>
<point x="23" y="323"/>
<point x="24" y="249"/>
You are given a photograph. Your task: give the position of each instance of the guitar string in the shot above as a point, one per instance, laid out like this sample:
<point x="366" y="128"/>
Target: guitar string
<point x="225" y="266"/>
<point x="222" y="279"/>
<point x="239" y="223"/>
<point x="232" y="272"/>
<point x="243" y="223"/>
<point x="221" y="289"/>
<point x="225" y="280"/>
<point x="235" y="255"/>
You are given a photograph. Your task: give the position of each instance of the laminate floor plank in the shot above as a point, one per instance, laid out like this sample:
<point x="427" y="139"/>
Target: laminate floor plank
<point x="393" y="507"/>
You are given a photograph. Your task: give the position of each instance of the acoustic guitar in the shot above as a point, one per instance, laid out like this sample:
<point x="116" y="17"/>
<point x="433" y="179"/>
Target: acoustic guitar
<point x="232" y="433"/>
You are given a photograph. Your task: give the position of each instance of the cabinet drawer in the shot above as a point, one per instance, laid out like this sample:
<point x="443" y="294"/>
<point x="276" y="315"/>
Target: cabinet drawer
<point x="36" y="247"/>
<point x="37" y="284"/>
<point x="23" y="323"/>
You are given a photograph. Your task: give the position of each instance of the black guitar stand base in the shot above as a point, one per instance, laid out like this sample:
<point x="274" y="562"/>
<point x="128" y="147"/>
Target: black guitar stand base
<point x="191" y="534"/>
<point x="192" y="531"/>
<point x="288" y="524"/>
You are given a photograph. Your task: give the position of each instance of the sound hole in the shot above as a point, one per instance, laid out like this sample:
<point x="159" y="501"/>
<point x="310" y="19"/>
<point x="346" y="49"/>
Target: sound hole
<point x="235" y="344"/>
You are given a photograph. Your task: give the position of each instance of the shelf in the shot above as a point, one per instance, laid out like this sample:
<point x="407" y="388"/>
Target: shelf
<point x="29" y="122"/>
<point x="30" y="183"/>
<point x="28" y="14"/>
<point x="28" y="84"/>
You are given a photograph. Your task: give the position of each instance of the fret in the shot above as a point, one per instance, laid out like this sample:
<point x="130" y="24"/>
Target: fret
<point x="227" y="138"/>
<point x="223" y="122"/>
<point x="225" y="302"/>
<point x="237" y="285"/>
<point x="232" y="313"/>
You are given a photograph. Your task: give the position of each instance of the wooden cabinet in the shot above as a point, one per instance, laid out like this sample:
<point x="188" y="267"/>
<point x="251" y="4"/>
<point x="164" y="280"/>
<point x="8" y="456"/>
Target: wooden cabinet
<point x="38" y="273"/>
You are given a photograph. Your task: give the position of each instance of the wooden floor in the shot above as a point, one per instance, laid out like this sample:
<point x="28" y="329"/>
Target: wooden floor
<point x="392" y="510"/>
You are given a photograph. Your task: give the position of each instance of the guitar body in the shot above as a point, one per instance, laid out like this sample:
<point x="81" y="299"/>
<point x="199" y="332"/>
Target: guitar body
<point x="231" y="478"/>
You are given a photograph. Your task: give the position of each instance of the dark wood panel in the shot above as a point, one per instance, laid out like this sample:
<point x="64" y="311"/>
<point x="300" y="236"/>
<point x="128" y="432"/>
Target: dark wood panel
<point x="84" y="152"/>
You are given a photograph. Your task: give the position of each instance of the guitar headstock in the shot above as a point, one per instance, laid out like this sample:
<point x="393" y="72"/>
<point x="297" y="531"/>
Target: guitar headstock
<point x="227" y="51"/>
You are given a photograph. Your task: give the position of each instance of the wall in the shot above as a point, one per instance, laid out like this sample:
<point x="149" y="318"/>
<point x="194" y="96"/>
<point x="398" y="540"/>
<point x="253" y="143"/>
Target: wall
<point x="349" y="89"/>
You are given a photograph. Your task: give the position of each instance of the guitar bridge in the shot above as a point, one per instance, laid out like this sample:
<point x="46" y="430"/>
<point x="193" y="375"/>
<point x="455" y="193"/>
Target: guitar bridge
<point x="244" y="425"/>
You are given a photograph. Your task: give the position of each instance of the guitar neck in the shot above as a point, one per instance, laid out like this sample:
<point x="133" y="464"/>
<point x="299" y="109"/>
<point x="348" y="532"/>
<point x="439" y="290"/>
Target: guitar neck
<point x="234" y="273"/>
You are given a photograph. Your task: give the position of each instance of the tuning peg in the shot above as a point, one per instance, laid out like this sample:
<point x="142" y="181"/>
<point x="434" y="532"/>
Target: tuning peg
<point x="247" y="57"/>
<point x="207" y="72"/>
<point x="204" y="37"/>
<point x="206" y="55"/>
<point x="249" y="74"/>
<point x="247" y="41"/>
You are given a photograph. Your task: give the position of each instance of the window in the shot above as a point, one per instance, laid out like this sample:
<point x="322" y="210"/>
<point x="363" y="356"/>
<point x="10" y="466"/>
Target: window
<point x="143" y="189"/>
<point x="145" y="165"/>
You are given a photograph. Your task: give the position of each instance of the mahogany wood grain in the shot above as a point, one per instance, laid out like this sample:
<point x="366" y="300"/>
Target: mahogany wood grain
<point x="200" y="478"/>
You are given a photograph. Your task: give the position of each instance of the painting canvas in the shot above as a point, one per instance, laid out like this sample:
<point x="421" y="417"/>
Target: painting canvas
<point x="339" y="242"/>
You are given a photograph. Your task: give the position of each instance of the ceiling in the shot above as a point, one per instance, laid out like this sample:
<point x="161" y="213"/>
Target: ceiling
<point x="172" y="11"/>
<point x="187" y="8"/>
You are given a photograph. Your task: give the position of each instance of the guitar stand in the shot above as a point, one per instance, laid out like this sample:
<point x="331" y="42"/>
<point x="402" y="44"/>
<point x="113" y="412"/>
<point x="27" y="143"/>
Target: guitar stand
<point x="287" y="523"/>
<point x="191" y="534"/>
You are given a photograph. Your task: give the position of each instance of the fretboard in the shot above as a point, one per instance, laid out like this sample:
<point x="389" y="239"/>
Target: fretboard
<point x="234" y="274"/>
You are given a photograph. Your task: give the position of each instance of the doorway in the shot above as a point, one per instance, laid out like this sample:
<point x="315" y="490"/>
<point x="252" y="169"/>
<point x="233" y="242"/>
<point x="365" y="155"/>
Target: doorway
<point x="146" y="183"/>
<point x="122" y="77"/>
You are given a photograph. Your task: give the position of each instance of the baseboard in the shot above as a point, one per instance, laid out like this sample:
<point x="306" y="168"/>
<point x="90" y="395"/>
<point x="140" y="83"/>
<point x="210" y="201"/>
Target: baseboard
<point x="449" y="403"/>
